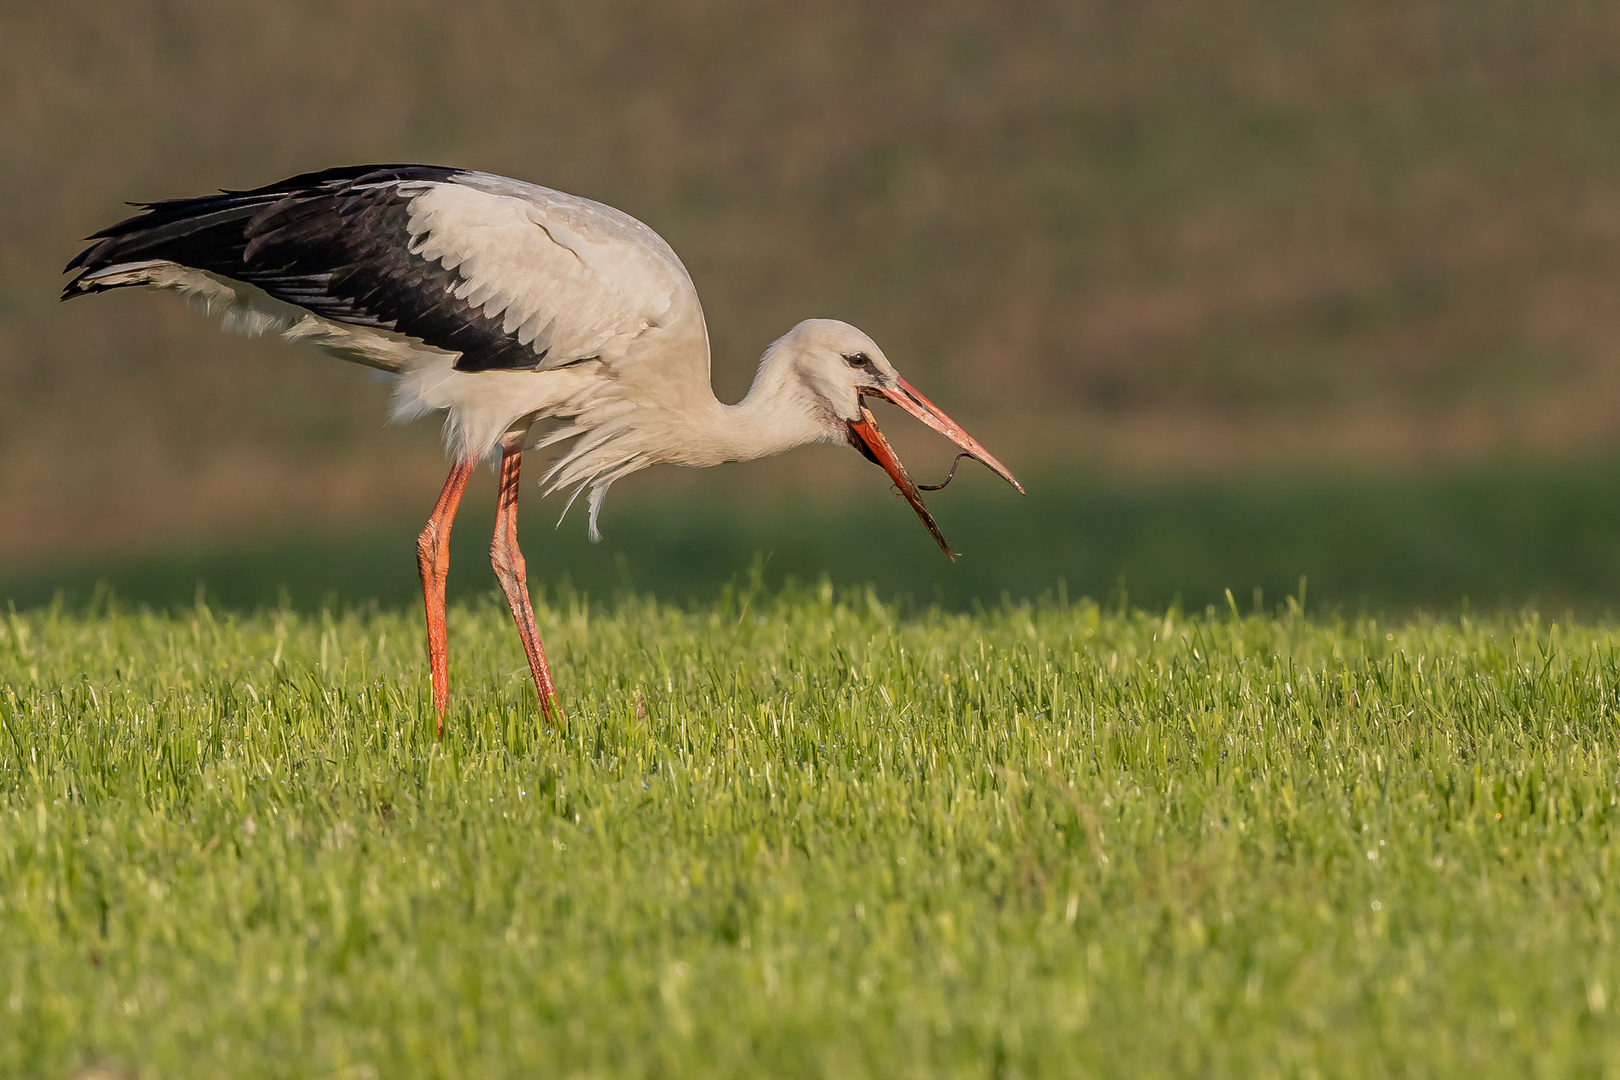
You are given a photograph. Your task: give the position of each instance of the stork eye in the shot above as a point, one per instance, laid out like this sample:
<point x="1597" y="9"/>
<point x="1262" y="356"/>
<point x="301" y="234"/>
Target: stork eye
<point x="858" y="359"/>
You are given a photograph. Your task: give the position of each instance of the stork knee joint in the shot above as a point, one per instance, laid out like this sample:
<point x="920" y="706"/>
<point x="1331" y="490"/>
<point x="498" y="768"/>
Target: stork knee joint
<point x="507" y="561"/>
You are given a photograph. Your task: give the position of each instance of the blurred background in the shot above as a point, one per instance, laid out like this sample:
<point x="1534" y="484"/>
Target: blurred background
<point x="1245" y="292"/>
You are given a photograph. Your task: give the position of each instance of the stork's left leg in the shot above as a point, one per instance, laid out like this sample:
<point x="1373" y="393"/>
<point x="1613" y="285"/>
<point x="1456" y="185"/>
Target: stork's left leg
<point x="433" y="559"/>
<point x="507" y="558"/>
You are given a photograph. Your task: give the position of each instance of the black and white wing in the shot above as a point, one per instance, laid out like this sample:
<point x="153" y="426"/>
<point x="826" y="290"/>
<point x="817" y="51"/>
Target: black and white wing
<point x="506" y="276"/>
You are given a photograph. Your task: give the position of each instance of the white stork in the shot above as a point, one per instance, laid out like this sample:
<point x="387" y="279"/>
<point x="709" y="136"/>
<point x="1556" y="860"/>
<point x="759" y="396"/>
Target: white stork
<point x="504" y="304"/>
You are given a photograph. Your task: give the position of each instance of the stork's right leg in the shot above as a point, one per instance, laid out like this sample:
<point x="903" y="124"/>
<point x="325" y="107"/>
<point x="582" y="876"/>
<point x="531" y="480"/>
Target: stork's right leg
<point x="507" y="558"/>
<point x="433" y="560"/>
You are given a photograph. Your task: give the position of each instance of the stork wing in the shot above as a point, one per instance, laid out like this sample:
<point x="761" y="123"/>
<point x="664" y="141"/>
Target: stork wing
<point x="509" y="276"/>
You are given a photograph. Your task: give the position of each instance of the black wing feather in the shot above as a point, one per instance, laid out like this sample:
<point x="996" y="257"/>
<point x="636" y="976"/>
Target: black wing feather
<point x="335" y="242"/>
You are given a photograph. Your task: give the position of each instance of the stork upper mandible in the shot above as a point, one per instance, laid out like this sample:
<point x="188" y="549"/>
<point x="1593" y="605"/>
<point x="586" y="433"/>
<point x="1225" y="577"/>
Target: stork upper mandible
<point x="506" y="305"/>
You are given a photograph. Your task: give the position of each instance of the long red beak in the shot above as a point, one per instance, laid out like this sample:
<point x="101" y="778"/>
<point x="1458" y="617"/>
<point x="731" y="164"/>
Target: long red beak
<point x="865" y="437"/>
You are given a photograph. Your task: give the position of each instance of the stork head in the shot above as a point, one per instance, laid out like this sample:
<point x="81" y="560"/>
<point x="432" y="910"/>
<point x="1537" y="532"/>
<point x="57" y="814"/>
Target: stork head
<point x="842" y="368"/>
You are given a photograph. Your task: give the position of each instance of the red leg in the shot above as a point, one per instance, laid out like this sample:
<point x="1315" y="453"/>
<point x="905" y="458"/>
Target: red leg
<point x="507" y="559"/>
<point x="433" y="560"/>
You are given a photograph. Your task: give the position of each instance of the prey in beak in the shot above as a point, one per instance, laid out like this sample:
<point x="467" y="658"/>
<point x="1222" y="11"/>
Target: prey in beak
<point x="865" y="437"/>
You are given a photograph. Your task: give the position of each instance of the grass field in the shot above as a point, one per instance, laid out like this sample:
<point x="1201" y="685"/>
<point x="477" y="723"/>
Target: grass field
<point x="798" y="834"/>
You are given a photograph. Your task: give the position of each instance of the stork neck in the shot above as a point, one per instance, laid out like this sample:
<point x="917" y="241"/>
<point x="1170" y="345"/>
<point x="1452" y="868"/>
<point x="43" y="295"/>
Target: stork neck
<point x="779" y="413"/>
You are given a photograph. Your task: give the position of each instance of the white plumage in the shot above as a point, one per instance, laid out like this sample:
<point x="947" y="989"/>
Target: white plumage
<point x="506" y="305"/>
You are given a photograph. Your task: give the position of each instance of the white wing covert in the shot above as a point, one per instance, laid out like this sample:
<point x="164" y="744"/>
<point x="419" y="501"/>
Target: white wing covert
<point x="570" y="280"/>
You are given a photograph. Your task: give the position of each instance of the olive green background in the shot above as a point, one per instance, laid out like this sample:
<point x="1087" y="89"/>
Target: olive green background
<point x="1162" y="257"/>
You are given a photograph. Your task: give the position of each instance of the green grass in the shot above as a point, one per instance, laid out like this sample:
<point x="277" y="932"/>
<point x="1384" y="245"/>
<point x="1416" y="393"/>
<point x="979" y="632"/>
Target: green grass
<point x="801" y="835"/>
